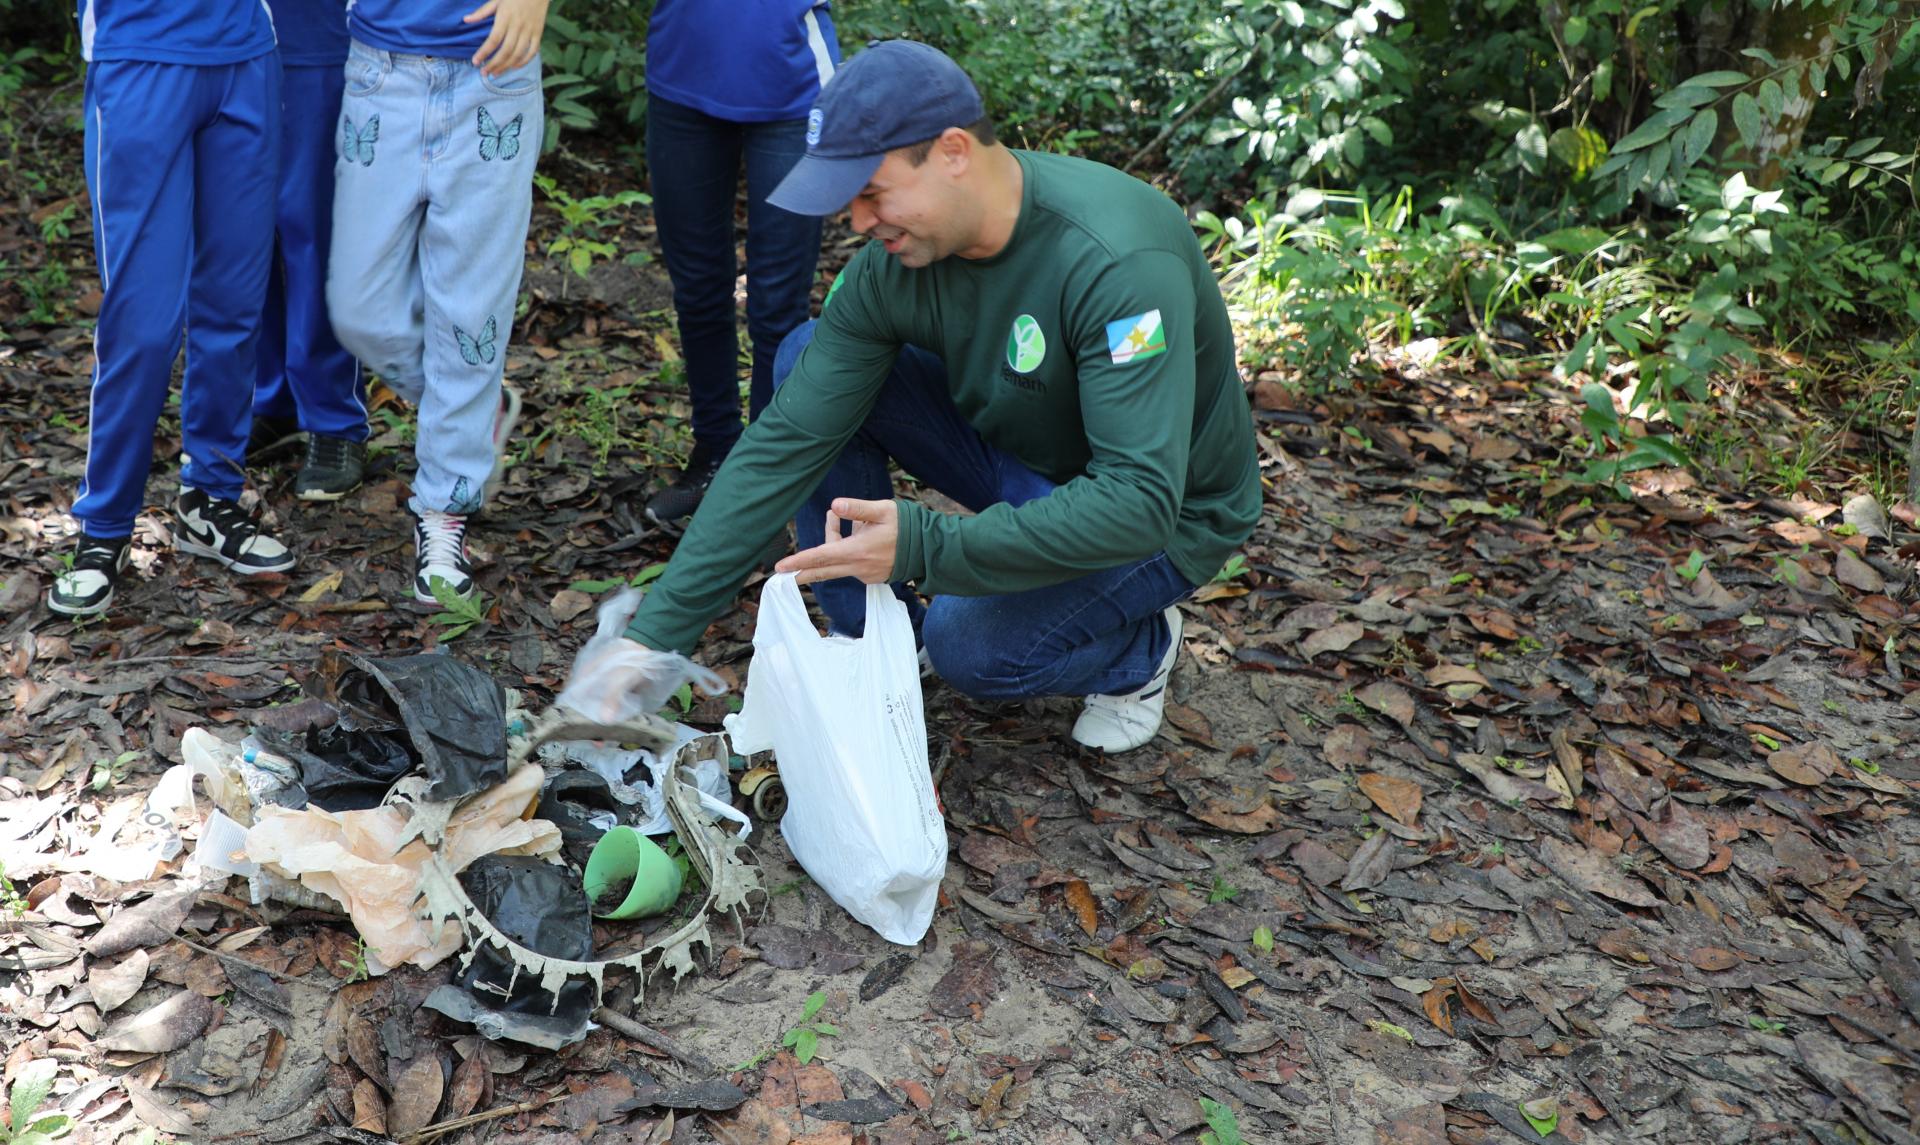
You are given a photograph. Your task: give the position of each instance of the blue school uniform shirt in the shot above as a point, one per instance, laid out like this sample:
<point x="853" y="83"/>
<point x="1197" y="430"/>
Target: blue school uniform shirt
<point x="313" y="33"/>
<point x="418" y="27"/>
<point x="203" y="32"/>
<point x="750" y="61"/>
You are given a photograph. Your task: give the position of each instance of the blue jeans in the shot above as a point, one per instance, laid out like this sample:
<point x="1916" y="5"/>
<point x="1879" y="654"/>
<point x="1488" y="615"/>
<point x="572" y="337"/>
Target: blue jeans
<point x="180" y="163"/>
<point x="1098" y="634"/>
<point x="694" y="162"/>
<point x="433" y="187"/>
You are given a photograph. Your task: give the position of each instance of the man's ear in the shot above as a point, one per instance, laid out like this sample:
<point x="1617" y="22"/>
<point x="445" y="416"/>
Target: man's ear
<point x="955" y="150"/>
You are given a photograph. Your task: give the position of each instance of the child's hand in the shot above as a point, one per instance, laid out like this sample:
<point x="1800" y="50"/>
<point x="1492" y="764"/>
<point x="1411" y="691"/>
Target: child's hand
<point x="515" y="39"/>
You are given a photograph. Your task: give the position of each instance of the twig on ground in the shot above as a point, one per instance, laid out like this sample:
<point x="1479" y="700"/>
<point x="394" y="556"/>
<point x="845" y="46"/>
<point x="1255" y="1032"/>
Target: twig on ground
<point x="437" y="1130"/>
<point x="647" y="1035"/>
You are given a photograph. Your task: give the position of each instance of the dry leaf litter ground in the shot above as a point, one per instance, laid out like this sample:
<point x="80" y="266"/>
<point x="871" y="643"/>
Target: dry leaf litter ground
<point x="1474" y="792"/>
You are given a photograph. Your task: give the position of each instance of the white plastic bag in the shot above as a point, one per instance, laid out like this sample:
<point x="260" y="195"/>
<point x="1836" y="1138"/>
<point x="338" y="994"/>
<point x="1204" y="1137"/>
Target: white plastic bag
<point x="845" y="723"/>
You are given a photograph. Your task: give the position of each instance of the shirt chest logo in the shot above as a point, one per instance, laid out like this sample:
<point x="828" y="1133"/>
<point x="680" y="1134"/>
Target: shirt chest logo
<point x="1026" y="345"/>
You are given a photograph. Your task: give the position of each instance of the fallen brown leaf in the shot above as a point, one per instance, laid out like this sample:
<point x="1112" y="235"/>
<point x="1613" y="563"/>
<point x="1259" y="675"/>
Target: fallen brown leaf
<point x="416" y="1096"/>
<point x="160" y="1029"/>
<point x="369" y="1112"/>
<point x="151" y="923"/>
<point x="1808" y="764"/>
<point x="111" y="986"/>
<point x="1397" y="797"/>
<point x="1080" y="899"/>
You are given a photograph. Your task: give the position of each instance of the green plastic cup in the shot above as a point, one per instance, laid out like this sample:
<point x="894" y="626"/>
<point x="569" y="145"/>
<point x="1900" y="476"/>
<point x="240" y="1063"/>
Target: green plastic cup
<point x="624" y="855"/>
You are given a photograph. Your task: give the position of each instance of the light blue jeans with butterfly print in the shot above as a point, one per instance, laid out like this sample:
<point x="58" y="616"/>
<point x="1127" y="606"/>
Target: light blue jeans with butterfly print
<point x="433" y="187"/>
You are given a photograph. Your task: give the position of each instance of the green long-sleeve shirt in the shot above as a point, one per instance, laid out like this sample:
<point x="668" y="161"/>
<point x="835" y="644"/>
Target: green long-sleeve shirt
<point x="1095" y="348"/>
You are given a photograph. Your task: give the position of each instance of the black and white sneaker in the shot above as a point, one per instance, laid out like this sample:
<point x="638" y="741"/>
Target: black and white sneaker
<point x="671" y="508"/>
<point x="85" y="587"/>
<point x="207" y="526"/>
<point x="440" y="554"/>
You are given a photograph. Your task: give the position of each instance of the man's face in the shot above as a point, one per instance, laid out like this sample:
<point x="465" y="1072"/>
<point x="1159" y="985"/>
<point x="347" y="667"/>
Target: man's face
<point x="908" y="209"/>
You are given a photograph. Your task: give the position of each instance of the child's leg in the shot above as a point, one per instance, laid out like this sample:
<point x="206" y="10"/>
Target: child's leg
<point x="693" y="166"/>
<point x="323" y="375"/>
<point x="140" y="121"/>
<point x="472" y="250"/>
<point x="236" y="157"/>
<point x="373" y="268"/>
<point x="272" y="397"/>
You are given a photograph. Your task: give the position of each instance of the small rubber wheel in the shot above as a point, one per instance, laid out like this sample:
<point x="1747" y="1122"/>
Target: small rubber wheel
<point x="770" y="798"/>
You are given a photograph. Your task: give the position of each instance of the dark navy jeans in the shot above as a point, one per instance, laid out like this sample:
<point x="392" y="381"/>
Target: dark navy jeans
<point x="694" y="162"/>
<point x="1096" y="634"/>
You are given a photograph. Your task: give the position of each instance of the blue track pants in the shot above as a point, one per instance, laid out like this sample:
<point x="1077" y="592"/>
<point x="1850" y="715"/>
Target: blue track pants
<point x="181" y="163"/>
<point x="303" y="371"/>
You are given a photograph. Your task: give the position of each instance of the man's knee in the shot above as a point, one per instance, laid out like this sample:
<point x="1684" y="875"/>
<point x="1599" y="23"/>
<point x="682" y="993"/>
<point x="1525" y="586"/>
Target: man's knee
<point x="789" y="352"/>
<point x="975" y="651"/>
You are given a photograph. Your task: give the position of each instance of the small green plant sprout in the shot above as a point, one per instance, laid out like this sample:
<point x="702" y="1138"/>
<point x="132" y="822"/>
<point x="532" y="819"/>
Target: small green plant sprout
<point x="457" y="613"/>
<point x="107" y="772"/>
<point x="1766" y="1025"/>
<point x="640" y="579"/>
<point x="356" y="964"/>
<point x="12" y="902"/>
<point x="1234" y="569"/>
<point x="804" y="1038"/>
<point x="581" y="220"/>
<point x="30" y="1090"/>
<point x="1221" y="891"/>
<point x="1691" y="568"/>
<point x="1223" y="1127"/>
<point x="1263" y="939"/>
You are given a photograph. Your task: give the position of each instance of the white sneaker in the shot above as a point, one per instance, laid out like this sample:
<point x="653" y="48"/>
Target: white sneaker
<point x="440" y="553"/>
<point x="1115" y="724"/>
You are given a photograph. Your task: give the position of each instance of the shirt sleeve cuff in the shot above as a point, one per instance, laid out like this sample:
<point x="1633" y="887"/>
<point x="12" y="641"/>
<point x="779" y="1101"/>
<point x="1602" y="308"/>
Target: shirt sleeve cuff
<point x="909" y="547"/>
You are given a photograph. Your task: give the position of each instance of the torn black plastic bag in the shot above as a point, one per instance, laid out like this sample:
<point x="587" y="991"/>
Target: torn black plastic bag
<point x="542" y="907"/>
<point x="343" y="770"/>
<point x="573" y="798"/>
<point x="454" y="715"/>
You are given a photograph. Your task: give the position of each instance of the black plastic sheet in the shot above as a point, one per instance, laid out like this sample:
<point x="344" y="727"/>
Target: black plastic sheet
<point x="542" y="907"/>
<point x="342" y="770"/>
<point x="572" y="797"/>
<point x="453" y="715"/>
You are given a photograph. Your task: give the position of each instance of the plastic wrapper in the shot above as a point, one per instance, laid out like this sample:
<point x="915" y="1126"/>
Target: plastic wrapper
<point x="615" y="680"/>
<point x="618" y="766"/>
<point x="369" y="861"/>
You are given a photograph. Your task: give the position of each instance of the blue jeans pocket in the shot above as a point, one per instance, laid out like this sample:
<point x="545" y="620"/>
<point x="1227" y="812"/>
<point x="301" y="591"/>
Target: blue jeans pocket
<point x="366" y="70"/>
<point x="515" y="84"/>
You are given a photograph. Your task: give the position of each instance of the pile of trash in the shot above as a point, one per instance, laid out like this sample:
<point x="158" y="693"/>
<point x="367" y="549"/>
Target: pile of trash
<point x="445" y="821"/>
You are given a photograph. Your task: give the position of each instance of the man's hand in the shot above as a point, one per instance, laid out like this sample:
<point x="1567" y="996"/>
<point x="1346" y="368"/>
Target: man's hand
<point x="515" y="39"/>
<point x="867" y="555"/>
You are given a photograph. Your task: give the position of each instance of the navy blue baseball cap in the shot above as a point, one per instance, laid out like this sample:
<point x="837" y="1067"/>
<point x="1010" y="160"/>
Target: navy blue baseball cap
<point x="894" y="94"/>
